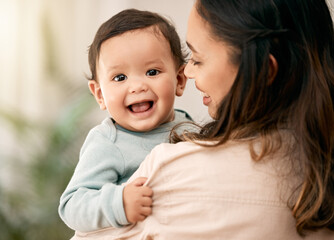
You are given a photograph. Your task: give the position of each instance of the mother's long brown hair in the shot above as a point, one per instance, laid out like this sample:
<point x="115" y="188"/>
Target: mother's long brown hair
<point x="299" y="35"/>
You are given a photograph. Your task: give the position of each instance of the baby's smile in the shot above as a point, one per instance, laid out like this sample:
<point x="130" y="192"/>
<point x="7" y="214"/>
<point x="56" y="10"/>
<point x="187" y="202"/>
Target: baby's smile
<point x="141" y="106"/>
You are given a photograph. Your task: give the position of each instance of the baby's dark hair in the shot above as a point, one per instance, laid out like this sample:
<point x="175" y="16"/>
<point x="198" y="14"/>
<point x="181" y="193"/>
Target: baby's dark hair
<point x="129" y="20"/>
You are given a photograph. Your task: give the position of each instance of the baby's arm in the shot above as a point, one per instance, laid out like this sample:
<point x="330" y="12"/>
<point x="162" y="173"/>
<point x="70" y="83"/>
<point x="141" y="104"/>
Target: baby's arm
<point x="137" y="200"/>
<point x="92" y="200"/>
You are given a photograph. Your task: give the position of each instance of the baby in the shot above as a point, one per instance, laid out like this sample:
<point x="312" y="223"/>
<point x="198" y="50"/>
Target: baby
<point x="136" y="64"/>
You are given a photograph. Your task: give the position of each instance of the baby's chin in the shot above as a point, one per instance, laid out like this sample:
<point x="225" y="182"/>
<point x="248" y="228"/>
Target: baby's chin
<point x="140" y="125"/>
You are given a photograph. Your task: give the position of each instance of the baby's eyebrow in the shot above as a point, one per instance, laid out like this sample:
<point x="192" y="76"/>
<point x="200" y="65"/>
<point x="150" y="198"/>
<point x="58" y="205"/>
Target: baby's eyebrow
<point x="154" y="61"/>
<point x="112" y="69"/>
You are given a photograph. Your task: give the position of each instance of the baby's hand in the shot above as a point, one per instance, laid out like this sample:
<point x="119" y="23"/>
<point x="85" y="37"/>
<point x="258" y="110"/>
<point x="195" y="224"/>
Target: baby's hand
<point x="137" y="200"/>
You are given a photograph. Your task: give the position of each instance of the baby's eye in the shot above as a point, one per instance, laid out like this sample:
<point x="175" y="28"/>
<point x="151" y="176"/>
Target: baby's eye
<point x="120" y="77"/>
<point x="152" y="72"/>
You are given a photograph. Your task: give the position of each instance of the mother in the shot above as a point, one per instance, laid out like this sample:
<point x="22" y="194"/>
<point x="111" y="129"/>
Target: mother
<point x="264" y="167"/>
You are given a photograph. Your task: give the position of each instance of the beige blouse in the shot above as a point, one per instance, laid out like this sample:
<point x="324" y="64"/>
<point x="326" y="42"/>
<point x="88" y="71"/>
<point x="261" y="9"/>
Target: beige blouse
<point x="214" y="193"/>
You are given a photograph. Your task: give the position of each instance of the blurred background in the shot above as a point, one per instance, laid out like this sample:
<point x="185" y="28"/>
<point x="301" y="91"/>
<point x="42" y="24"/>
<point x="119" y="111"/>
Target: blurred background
<point x="46" y="110"/>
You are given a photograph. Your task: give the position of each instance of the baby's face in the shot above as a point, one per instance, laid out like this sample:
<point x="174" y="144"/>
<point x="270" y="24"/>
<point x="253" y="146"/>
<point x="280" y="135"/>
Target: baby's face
<point x="138" y="79"/>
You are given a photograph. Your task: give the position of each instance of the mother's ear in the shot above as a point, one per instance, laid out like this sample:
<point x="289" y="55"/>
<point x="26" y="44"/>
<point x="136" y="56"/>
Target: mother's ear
<point x="181" y="81"/>
<point x="273" y="69"/>
<point x="96" y="90"/>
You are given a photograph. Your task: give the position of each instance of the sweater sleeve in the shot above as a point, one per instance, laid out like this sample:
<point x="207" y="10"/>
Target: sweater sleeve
<point x="92" y="200"/>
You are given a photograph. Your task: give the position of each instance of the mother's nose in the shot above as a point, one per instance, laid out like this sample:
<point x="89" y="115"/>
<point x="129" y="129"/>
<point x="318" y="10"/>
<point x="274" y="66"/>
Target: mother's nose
<point x="188" y="71"/>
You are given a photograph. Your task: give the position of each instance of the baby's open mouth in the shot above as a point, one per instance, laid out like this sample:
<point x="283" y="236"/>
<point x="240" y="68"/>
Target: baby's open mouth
<point x="140" y="107"/>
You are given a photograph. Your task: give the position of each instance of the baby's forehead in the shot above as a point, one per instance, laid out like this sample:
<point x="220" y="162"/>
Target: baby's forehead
<point x="154" y="31"/>
<point x="136" y="37"/>
<point x="169" y="40"/>
<point x="140" y="47"/>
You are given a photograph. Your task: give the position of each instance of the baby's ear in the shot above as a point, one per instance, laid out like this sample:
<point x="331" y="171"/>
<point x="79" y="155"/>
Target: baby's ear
<point x="181" y="81"/>
<point x="95" y="89"/>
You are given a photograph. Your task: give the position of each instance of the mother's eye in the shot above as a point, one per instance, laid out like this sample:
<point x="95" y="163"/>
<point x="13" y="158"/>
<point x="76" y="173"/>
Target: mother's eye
<point x="120" y="77"/>
<point x="152" y="72"/>
<point x="193" y="61"/>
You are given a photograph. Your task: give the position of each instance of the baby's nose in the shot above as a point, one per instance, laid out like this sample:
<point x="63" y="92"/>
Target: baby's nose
<point x="137" y="86"/>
